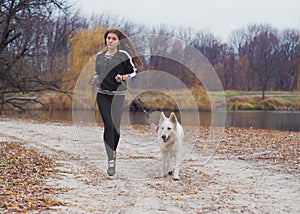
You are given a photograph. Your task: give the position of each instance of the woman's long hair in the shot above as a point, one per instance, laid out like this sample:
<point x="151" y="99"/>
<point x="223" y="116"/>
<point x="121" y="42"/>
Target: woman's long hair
<point x="125" y="44"/>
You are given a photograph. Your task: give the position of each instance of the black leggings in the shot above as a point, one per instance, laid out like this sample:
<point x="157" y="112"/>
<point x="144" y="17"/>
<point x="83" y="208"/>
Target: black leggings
<point x="111" y="108"/>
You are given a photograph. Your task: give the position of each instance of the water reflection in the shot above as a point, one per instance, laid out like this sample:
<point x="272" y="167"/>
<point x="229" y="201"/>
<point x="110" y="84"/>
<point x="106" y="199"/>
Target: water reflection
<point x="281" y="120"/>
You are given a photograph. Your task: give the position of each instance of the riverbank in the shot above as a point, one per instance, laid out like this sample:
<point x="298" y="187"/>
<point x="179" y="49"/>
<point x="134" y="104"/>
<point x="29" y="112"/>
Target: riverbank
<point x="251" y="170"/>
<point x="275" y="101"/>
<point x="153" y="101"/>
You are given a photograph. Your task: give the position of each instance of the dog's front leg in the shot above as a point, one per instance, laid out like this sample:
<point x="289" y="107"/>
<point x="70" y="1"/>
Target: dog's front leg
<point x="176" y="166"/>
<point x="165" y="165"/>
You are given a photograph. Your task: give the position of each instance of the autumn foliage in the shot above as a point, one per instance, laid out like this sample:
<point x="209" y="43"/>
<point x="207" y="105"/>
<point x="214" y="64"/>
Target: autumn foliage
<point x="84" y="45"/>
<point x="23" y="174"/>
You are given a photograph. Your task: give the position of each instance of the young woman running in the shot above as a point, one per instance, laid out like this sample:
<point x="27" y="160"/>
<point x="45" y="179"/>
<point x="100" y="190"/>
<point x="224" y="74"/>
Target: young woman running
<point x="114" y="66"/>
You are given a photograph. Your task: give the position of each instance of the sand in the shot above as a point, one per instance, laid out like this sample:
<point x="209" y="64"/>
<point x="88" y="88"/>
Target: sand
<point x="209" y="183"/>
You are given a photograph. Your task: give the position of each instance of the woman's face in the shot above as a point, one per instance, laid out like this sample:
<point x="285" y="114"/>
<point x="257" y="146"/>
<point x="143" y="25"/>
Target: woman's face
<point x="112" y="40"/>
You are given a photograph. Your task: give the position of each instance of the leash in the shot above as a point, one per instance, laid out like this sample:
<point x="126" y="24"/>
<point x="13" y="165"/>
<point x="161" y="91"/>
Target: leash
<point x="141" y="105"/>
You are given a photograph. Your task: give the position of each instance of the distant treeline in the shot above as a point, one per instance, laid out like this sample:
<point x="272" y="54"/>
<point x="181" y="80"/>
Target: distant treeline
<point x="45" y="44"/>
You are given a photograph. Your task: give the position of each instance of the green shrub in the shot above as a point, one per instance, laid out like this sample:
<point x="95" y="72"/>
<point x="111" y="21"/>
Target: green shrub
<point x="268" y="106"/>
<point x="233" y="107"/>
<point x="258" y="107"/>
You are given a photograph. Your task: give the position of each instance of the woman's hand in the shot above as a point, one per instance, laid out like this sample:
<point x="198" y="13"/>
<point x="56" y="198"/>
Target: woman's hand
<point x="93" y="82"/>
<point x="120" y="78"/>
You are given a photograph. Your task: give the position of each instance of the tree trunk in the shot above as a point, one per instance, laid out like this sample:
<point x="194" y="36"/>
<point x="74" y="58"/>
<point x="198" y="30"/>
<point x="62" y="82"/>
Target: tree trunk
<point x="263" y="94"/>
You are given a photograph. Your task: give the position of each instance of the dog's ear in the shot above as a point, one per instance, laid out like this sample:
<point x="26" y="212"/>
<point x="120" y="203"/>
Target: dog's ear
<point x="162" y="117"/>
<point x="173" y="118"/>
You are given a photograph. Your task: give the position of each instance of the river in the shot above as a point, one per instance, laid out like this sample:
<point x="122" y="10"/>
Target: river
<point x="280" y="120"/>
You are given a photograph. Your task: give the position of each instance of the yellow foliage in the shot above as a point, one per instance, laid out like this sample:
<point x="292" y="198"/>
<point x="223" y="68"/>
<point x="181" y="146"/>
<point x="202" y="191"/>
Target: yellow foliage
<point x="201" y="97"/>
<point x="298" y="81"/>
<point x="84" y="45"/>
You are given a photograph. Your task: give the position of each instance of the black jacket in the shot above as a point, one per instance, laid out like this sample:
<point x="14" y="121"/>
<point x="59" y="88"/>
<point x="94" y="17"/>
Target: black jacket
<point x="121" y="63"/>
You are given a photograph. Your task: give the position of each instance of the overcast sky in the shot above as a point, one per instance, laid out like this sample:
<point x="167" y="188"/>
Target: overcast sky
<point x="218" y="16"/>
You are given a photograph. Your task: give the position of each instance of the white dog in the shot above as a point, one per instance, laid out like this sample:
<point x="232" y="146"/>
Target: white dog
<point x="170" y="138"/>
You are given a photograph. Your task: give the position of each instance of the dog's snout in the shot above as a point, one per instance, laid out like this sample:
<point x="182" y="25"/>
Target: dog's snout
<point x="163" y="136"/>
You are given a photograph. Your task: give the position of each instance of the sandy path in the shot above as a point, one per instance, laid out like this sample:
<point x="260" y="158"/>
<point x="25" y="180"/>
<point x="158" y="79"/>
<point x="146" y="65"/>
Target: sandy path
<point x="223" y="185"/>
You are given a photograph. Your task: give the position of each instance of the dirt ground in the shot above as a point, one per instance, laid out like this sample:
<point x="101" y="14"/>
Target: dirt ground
<point x="247" y="171"/>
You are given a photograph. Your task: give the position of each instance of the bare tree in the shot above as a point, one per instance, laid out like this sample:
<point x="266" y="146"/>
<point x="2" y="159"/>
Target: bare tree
<point x="264" y="57"/>
<point x="22" y="43"/>
<point x="209" y="45"/>
<point x="290" y="50"/>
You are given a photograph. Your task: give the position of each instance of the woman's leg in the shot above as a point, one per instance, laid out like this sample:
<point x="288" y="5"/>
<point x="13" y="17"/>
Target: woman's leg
<point x="111" y="112"/>
<point x="104" y="104"/>
<point x="111" y="108"/>
<point x="117" y="109"/>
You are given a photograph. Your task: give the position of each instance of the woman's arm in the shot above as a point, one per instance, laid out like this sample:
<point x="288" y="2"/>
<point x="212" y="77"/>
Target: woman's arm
<point x="129" y="66"/>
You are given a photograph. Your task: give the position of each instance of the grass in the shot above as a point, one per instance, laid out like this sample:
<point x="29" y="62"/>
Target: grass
<point x="274" y="100"/>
